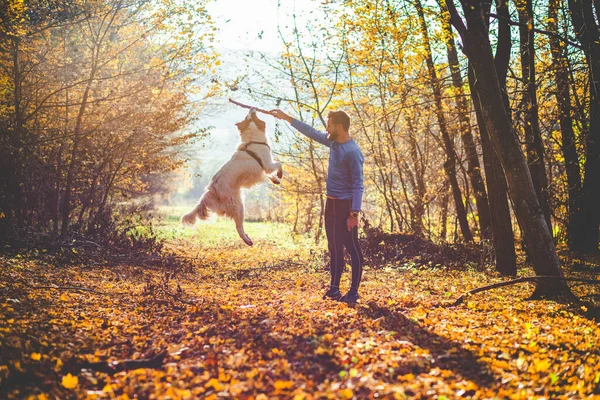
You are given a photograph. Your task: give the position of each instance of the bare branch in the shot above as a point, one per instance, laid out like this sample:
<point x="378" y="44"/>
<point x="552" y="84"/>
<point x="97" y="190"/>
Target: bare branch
<point x="536" y="30"/>
<point x="521" y="280"/>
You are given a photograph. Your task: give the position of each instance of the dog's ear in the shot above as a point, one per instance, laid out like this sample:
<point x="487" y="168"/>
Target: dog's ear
<point x="259" y="123"/>
<point x="242" y="126"/>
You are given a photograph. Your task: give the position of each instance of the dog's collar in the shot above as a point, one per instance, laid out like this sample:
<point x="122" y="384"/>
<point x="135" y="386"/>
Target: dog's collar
<point x="244" y="147"/>
<point x="253" y="154"/>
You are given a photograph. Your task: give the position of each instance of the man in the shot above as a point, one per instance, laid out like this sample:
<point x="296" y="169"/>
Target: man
<point x="344" y="197"/>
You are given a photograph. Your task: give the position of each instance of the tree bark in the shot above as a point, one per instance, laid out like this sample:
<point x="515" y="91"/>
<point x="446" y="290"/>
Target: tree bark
<point x="418" y="209"/>
<point x="66" y="203"/>
<point x="462" y="108"/>
<point x="501" y="224"/>
<point x="444" y="216"/>
<point x="527" y="208"/>
<point x="560" y="67"/>
<point x="531" y="126"/>
<point x="586" y="30"/>
<point x="15" y="141"/>
<point x="450" y="163"/>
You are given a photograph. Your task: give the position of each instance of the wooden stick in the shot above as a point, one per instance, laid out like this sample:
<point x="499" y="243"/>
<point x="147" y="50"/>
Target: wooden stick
<point x="237" y="103"/>
<point x="521" y="280"/>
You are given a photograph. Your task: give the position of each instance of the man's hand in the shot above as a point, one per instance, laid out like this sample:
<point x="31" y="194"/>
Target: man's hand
<point x="281" y="115"/>
<point x="352" y="222"/>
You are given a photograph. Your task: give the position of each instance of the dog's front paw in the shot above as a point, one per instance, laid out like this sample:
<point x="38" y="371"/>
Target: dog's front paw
<point x="280" y="173"/>
<point x="275" y="180"/>
<point x="248" y="241"/>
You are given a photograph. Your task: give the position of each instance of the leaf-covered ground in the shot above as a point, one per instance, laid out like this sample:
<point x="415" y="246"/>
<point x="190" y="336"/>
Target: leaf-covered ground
<point x="241" y="322"/>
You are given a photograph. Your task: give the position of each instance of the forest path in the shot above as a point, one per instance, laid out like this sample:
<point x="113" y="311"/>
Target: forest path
<point x="250" y="323"/>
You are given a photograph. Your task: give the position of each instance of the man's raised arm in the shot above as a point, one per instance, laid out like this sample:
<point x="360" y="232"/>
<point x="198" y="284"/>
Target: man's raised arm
<point x="303" y="128"/>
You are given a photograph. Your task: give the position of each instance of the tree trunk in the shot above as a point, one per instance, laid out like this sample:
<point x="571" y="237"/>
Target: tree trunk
<point x="531" y="126"/>
<point x="560" y="68"/>
<point x="462" y="108"/>
<point x="527" y="208"/>
<point x="14" y="195"/>
<point x="66" y="206"/>
<point x="450" y="163"/>
<point x="586" y="30"/>
<point x="418" y="183"/>
<point x="502" y="232"/>
<point x="444" y="216"/>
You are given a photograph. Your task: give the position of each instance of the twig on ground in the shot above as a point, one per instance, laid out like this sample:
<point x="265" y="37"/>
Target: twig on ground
<point x="521" y="280"/>
<point x="117" y="366"/>
<point x="79" y="288"/>
<point x="189" y="302"/>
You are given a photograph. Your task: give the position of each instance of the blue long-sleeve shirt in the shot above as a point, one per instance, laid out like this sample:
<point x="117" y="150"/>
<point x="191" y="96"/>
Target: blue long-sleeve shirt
<point x="345" y="172"/>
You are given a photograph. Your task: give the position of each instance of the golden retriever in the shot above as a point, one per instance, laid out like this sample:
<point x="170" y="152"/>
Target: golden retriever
<point x="249" y="165"/>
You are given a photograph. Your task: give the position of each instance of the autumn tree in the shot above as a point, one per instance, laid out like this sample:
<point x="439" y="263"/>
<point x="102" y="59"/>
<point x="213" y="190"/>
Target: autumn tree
<point x="500" y="218"/>
<point x="584" y="16"/>
<point x="99" y="96"/>
<point x="405" y="85"/>
<point x="448" y="143"/>
<point x="561" y="70"/>
<point x="529" y="106"/>
<point x="464" y="115"/>
<point x="536" y="233"/>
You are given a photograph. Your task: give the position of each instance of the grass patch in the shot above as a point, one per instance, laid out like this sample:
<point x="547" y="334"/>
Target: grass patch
<point x="219" y="232"/>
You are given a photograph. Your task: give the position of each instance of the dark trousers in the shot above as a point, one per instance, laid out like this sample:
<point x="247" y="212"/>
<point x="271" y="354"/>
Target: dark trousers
<point x="338" y="238"/>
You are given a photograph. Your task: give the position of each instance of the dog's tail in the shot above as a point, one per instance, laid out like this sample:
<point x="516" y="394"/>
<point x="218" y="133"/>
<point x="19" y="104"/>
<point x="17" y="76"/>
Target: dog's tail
<point x="200" y="211"/>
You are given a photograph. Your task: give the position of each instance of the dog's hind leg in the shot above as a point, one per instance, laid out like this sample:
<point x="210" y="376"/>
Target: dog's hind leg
<point x="200" y="211"/>
<point x="236" y="212"/>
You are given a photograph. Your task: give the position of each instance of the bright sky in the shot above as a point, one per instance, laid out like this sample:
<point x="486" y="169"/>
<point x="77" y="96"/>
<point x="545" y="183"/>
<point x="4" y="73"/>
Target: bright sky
<point x="243" y="26"/>
<point x="249" y="25"/>
<point x="252" y="24"/>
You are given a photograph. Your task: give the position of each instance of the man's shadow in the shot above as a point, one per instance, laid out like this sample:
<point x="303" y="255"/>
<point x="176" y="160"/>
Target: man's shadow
<point x="441" y="353"/>
<point x="445" y="353"/>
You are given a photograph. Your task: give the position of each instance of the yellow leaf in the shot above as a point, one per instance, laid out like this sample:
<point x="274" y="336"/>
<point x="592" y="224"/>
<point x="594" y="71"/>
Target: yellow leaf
<point x="223" y="377"/>
<point x="64" y="297"/>
<point x="69" y="381"/>
<point x="17" y="365"/>
<point x="215" y="384"/>
<point x="542" y="366"/>
<point x="406" y="378"/>
<point x="282" y="385"/>
<point x="36" y="356"/>
<point x="346" y="393"/>
<point x="322" y="350"/>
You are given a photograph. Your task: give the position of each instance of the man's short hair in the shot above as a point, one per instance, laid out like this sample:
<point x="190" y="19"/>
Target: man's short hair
<point x="340" y="117"/>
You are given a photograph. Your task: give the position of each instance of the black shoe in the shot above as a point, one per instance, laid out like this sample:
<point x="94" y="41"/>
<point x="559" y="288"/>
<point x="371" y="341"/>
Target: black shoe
<point x="332" y="294"/>
<point x="350" y="297"/>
